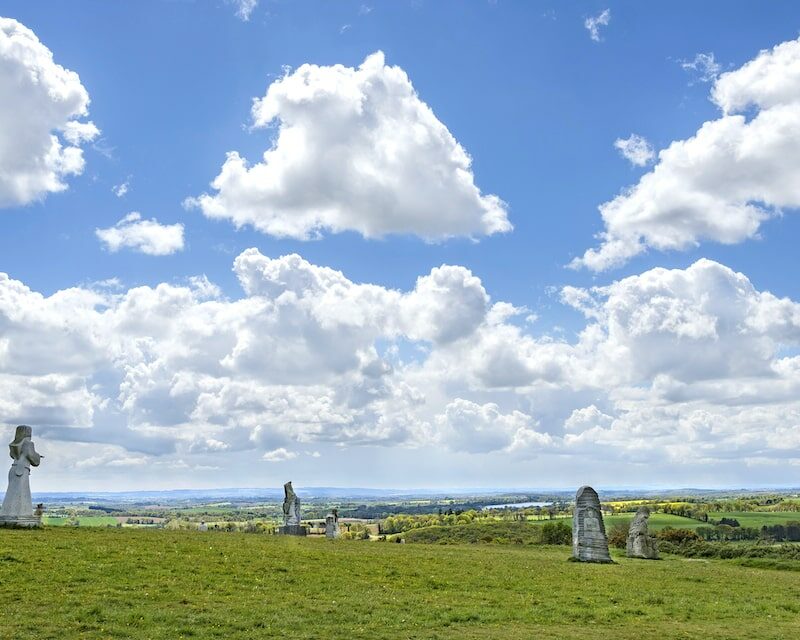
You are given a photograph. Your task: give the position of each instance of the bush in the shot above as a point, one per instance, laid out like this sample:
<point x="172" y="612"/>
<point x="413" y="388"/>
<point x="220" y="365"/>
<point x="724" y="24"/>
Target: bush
<point x="618" y="536"/>
<point x="678" y="536"/>
<point x="556" y="533"/>
<point x="494" y="532"/>
<point x="728" y="551"/>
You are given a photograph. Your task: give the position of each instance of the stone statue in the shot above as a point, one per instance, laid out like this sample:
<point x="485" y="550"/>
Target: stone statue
<point x="291" y="506"/>
<point x="589" y="543"/>
<point x="332" y="524"/>
<point x="17" y="507"/>
<point x="291" y="513"/>
<point x="640" y="543"/>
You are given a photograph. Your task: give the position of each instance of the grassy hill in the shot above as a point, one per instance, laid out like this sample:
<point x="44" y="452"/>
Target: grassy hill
<point x="757" y="519"/>
<point x="85" y="521"/>
<point x="657" y="521"/>
<point x="132" y="583"/>
<point x="487" y="531"/>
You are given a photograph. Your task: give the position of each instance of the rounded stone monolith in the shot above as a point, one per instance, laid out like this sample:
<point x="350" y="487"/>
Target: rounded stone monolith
<point x="589" y="542"/>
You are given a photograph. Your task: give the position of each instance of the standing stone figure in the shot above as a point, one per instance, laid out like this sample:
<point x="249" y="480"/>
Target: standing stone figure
<point x="291" y="513"/>
<point x="640" y="544"/>
<point x="332" y="524"/>
<point x="589" y="543"/>
<point x="17" y="507"/>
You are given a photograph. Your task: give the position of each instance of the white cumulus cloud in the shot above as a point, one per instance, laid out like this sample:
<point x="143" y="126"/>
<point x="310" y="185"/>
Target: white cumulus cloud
<point x="635" y="149"/>
<point x="145" y="236"/>
<point x="672" y="367"/>
<point x="355" y="149"/>
<point x="279" y="455"/>
<point x="726" y="180"/>
<point x="40" y="110"/>
<point x="468" y="426"/>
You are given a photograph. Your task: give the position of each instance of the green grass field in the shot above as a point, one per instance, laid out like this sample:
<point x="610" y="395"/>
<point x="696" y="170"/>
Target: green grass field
<point x="131" y="583"/>
<point x="85" y="521"/>
<point x="758" y="519"/>
<point x="657" y="521"/>
<point x="754" y="519"/>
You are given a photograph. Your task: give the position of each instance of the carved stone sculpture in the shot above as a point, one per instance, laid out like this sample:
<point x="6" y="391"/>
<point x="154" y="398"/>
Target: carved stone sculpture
<point x="640" y="543"/>
<point x="589" y="542"/>
<point x="332" y="524"/>
<point x="17" y="510"/>
<point x="291" y="513"/>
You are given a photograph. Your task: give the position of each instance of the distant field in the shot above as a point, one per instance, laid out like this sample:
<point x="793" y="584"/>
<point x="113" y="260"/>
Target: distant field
<point x="757" y="518"/>
<point x="657" y="521"/>
<point x="137" y="583"/>
<point x="84" y="521"/>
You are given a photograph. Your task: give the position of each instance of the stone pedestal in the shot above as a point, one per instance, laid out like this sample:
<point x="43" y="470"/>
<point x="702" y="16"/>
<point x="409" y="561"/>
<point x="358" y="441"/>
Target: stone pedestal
<point x="25" y="522"/>
<point x="292" y="530"/>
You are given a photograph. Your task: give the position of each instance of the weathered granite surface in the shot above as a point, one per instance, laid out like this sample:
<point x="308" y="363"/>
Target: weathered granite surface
<point x="17" y="509"/>
<point x="291" y="506"/>
<point x="332" y="524"/>
<point x="291" y="513"/>
<point x="589" y="542"/>
<point x="640" y="544"/>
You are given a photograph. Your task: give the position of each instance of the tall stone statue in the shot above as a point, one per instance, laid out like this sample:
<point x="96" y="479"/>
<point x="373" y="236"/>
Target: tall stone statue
<point x="291" y="513"/>
<point x="640" y="543"/>
<point x="332" y="524"/>
<point x="17" y="507"/>
<point x="589" y="542"/>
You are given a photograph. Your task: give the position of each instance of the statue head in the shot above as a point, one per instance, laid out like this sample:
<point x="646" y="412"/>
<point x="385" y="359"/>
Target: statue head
<point x="22" y="433"/>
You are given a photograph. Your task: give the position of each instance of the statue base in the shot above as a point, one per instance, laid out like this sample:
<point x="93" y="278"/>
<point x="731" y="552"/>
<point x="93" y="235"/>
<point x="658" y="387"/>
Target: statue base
<point x="292" y="530"/>
<point x="21" y="522"/>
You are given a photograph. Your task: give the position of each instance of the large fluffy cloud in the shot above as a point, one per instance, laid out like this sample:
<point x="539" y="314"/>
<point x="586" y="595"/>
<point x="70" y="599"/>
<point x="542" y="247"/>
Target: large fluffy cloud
<point x="724" y="181"/>
<point x="40" y="118"/>
<point x="683" y="365"/>
<point x="706" y="322"/>
<point x="355" y="149"/>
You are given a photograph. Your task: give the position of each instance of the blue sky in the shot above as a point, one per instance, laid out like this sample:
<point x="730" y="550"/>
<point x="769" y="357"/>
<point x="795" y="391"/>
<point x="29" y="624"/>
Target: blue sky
<point x="538" y="104"/>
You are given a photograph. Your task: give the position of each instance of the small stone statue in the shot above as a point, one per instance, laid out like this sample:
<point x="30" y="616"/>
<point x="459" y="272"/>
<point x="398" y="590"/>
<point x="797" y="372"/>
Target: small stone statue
<point x="589" y="542"/>
<point x="332" y="524"/>
<point x="17" y="507"/>
<point x="640" y="543"/>
<point x="291" y="513"/>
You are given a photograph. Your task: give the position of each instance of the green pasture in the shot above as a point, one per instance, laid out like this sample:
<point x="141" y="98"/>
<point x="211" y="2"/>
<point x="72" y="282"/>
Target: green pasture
<point x="656" y="522"/>
<point x="758" y="519"/>
<point x="98" y="583"/>
<point x="83" y="521"/>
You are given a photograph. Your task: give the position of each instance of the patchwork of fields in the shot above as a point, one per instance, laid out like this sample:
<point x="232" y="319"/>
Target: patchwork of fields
<point x="755" y="519"/>
<point x="138" y="583"/>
